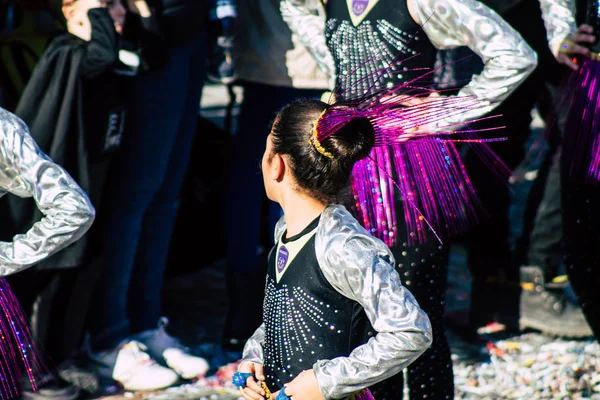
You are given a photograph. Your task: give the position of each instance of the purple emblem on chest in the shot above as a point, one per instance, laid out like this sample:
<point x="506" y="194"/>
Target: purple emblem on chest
<point x="359" y="7"/>
<point x="282" y="258"/>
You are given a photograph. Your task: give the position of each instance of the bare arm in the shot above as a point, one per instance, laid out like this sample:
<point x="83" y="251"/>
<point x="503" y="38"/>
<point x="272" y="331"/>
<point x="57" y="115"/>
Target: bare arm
<point x="306" y="19"/>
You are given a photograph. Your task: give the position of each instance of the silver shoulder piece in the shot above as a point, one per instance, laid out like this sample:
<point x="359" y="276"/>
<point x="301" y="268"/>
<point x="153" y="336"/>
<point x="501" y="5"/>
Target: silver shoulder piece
<point x="27" y="172"/>
<point x="361" y="268"/>
<point x="559" y="18"/>
<point x="507" y="58"/>
<point x="306" y="19"/>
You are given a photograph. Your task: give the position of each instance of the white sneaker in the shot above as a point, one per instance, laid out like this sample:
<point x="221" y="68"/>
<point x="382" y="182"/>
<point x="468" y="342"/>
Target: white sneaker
<point x="136" y="370"/>
<point x="164" y="347"/>
<point x="186" y="365"/>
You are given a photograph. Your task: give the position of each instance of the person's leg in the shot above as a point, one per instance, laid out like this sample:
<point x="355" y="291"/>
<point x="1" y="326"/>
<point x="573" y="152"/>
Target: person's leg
<point x="489" y="251"/>
<point x="157" y="101"/>
<point x="581" y="219"/>
<point x="425" y="273"/>
<point x="423" y="270"/>
<point x="145" y="300"/>
<point x="545" y="237"/>
<point x="540" y="241"/>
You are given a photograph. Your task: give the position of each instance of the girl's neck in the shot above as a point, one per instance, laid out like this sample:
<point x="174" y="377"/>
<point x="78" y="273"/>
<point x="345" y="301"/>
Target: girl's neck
<point x="300" y="213"/>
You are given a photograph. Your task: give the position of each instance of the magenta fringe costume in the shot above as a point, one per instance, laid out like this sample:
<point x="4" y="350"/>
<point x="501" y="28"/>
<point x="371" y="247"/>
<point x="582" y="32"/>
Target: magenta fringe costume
<point x="578" y="116"/>
<point x="415" y="194"/>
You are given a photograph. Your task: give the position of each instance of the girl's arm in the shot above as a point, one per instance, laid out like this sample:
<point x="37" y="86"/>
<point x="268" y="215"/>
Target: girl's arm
<point x="306" y="19"/>
<point x="253" y="350"/>
<point x="508" y="59"/>
<point x="27" y="172"/>
<point x="559" y="19"/>
<point x="361" y="268"/>
<point x="565" y="39"/>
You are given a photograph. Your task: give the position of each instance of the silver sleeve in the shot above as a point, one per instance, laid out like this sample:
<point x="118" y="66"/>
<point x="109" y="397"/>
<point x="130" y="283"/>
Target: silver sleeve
<point x="559" y="18"/>
<point x="253" y="350"/>
<point x="27" y="172"/>
<point x="306" y="19"/>
<point x="507" y="58"/>
<point x="361" y="268"/>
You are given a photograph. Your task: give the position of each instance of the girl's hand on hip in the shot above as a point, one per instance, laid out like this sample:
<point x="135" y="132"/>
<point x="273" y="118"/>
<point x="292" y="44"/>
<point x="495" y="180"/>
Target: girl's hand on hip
<point x="253" y="390"/>
<point x="574" y="45"/>
<point x="303" y="387"/>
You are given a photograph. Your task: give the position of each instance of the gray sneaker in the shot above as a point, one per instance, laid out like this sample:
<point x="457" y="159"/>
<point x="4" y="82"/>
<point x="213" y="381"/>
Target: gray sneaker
<point x="546" y="307"/>
<point x="51" y="387"/>
<point x="169" y="351"/>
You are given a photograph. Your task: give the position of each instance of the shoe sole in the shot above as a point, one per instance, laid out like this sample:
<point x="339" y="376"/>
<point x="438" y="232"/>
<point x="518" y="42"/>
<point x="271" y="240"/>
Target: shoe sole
<point x="559" y="331"/>
<point x="47" y="395"/>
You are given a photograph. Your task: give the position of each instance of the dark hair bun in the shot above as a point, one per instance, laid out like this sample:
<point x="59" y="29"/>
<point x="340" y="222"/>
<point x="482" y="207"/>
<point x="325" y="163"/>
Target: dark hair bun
<point x="354" y="140"/>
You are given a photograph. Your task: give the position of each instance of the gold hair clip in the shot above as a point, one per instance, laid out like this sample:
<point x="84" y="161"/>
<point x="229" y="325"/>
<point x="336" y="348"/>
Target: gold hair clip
<point x="314" y="141"/>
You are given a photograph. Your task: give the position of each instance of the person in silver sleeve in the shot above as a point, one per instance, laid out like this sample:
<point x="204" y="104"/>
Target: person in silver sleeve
<point x="354" y="39"/>
<point x="573" y="31"/>
<point x="67" y="214"/>
<point x="26" y="171"/>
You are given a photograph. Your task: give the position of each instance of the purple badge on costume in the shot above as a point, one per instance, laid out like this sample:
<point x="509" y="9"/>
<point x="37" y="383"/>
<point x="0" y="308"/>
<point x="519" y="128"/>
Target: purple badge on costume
<point x="359" y="7"/>
<point x="282" y="258"/>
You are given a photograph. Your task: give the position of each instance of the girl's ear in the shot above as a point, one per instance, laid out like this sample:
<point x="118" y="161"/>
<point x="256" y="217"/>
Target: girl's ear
<point x="278" y="167"/>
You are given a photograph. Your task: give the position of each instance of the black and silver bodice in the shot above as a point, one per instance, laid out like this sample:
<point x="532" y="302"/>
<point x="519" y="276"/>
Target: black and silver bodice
<point x="362" y="53"/>
<point x="305" y="318"/>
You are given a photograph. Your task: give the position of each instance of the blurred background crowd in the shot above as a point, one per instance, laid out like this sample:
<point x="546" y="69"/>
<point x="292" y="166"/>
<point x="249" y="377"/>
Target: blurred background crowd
<point x="112" y="91"/>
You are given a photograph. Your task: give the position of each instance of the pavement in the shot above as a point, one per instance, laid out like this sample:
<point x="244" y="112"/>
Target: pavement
<point x="525" y="366"/>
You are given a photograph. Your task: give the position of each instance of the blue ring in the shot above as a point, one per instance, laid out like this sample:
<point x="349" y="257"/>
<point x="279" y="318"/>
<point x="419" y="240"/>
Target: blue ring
<point x="282" y="395"/>
<point x="239" y="379"/>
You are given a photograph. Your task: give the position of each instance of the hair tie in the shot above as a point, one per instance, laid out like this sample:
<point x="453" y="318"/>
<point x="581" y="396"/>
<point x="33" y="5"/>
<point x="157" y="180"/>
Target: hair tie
<point x="314" y="134"/>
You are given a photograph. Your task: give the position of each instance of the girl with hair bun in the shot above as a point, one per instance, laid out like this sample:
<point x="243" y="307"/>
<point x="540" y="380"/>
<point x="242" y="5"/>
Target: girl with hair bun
<point x="328" y="278"/>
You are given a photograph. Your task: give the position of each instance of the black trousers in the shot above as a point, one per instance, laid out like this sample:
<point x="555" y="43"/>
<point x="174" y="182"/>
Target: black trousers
<point x="541" y="240"/>
<point x="581" y="227"/>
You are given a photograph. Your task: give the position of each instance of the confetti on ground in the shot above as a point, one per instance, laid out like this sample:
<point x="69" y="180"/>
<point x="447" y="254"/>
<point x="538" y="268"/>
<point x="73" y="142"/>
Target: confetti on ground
<point x="531" y="366"/>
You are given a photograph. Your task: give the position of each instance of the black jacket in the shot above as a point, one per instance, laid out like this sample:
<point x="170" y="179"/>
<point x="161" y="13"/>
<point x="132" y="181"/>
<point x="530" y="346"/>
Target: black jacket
<point x="57" y="109"/>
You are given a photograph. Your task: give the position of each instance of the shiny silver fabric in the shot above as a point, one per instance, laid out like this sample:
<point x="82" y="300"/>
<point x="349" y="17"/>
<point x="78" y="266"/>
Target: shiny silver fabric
<point x="361" y="268"/>
<point x="507" y="58"/>
<point x="559" y="18"/>
<point x="26" y="171"/>
<point x="448" y="24"/>
<point x="306" y="19"/>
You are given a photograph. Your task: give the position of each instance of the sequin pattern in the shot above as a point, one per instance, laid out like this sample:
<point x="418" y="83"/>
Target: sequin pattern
<point x="297" y="326"/>
<point x="362" y="52"/>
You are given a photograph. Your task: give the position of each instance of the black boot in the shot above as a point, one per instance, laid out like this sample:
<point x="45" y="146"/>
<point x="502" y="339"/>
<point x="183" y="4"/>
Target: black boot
<point x="246" y="291"/>
<point x="546" y="307"/>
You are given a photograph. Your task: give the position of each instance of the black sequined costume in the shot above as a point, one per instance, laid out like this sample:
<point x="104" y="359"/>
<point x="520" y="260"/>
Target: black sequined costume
<point x="324" y="318"/>
<point x="386" y="34"/>
<point x="335" y="305"/>
<point x="581" y="209"/>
